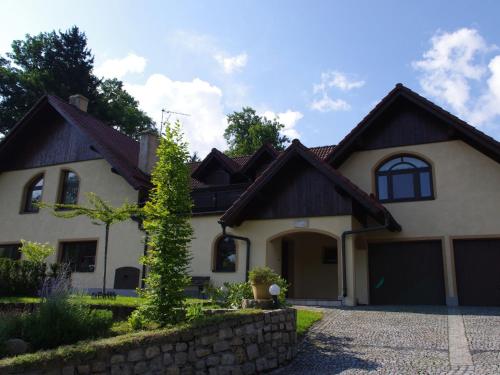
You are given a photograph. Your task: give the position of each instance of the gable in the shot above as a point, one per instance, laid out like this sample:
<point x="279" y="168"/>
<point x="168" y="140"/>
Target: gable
<point x="49" y="140"/>
<point x="404" y="124"/>
<point x="404" y="118"/>
<point x="298" y="190"/>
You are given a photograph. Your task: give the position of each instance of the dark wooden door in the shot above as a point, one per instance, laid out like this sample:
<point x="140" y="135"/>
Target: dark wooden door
<point x="127" y="278"/>
<point x="477" y="266"/>
<point x="406" y="273"/>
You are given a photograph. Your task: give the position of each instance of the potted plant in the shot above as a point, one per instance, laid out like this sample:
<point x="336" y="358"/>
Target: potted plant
<point x="261" y="278"/>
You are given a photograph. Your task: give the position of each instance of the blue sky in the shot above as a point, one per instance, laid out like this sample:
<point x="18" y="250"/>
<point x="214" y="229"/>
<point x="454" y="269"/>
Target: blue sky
<point x="319" y="65"/>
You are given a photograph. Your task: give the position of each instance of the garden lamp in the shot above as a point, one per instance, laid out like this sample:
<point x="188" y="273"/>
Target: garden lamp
<point x="274" y="291"/>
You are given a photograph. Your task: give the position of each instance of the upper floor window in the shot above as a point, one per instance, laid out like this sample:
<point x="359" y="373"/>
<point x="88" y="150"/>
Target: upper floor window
<point x="33" y="195"/>
<point x="404" y="178"/>
<point x="69" y="188"/>
<point x="225" y="255"/>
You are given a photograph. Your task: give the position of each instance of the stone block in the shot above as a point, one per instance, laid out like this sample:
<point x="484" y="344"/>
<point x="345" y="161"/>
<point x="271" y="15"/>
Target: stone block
<point x="167" y="359"/>
<point x="227" y="359"/>
<point x="213" y="360"/>
<point x="68" y="370"/>
<point x="117" y="358"/>
<point x="208" y="340"/>
<point x="200" y="364"/>
<point x="140" y="367"/>
<point x="156" y="364"/>
<point x="152" y="352"/>
<point x="135" y="355"/>
<point x="181" y="358"/>
<point x="181" y="347"/>
<point x="221" y="346"/>
<point x="261" y="364"/>
<point x="121" y="369"/>
<point x="252" y="352"/>
<point x="83" y="369"/>
<point x="98" y="366"/>
<point x="248" y="368"/>
<point x="167" y="347"/>
<point x="172" y="371"/>
<point x="203" y="352"/>
<point x="225" y="333"/>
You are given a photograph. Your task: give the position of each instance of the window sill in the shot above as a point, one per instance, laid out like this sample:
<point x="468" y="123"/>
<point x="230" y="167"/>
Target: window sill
<point x="216" y="271"/>
<point x="406" y="200"/>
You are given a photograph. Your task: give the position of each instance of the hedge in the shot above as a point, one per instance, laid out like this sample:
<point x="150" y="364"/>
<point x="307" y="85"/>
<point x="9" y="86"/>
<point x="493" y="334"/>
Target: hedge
<point x="20" y="277"/>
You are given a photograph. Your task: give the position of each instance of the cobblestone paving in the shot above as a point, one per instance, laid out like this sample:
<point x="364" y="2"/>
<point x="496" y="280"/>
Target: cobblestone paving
<point x="391" y="340"/>
<point x="482" y="327"/>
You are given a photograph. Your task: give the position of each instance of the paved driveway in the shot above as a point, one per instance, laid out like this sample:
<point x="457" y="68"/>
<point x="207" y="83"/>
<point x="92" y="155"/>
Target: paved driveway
<point x="401" y="340"/>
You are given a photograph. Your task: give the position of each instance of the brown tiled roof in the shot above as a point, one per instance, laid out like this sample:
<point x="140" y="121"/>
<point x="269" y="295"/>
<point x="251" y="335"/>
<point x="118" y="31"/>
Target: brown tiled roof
<point x="321" y="152"/>
<point x="121" y="151"/>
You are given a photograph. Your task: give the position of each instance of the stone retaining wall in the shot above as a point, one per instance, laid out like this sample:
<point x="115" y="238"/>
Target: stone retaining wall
<point x="241" y="344"/>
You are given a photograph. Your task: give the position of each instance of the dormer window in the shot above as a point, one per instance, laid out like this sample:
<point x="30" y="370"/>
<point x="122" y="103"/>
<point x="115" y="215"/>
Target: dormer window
<point x="404" y="178"/>
<point x="70" y="184"/>
<point x="33" y="195"/>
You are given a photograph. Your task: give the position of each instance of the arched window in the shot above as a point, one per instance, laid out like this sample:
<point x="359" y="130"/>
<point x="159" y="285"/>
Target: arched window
<point x="404" y="178"/>
<point x="33" y="194"/>
<point x="70" y="184"/>
<point x="225" y="255"/>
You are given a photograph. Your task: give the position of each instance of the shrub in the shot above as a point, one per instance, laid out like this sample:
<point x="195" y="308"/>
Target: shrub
<point x="194" y="312"/>
<point x="57" y="322"/>
<point x="263" y="275"/>
<point x="36" y="252"/>
<point x="230" y="294"/>
<point x="20" y="277"/>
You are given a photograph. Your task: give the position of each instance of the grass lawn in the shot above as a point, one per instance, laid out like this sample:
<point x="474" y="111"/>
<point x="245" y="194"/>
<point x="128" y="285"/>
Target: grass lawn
<point x="305" y="319"/>
<point x="118" y="301"/>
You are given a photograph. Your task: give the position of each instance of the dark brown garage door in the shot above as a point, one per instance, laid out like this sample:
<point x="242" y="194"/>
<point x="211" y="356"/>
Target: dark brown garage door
<point x="406" y="273"/>
<point x="477" y="265"/>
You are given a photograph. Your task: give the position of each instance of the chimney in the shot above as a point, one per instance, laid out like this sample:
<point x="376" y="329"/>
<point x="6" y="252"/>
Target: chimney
<point x="79" y="101"/>
<point x="147" y="151"/>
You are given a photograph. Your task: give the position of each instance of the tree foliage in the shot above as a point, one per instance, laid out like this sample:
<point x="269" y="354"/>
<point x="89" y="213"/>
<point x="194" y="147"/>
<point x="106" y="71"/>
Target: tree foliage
<point x="36" y="252"/>
<point x="167" y="222"/>
<point x="247" y="132"/>
<point x="99" y="212"/>
<point x="61" y="63"/>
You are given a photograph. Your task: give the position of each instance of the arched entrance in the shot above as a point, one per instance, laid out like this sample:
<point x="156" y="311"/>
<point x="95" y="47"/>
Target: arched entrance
<point x="309" y="261"/>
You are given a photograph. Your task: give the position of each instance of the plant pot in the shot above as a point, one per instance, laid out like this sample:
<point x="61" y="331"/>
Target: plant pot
<point x="261" y="291"/>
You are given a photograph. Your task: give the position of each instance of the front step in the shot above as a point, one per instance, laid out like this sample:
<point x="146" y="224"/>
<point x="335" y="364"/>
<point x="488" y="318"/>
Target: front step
<point x="314" y="302"/>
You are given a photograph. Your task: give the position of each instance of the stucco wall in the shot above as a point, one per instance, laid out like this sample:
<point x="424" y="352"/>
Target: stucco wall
<point x="126" y="240"/>
<point x="264" y="249"/>
<point x="466" y="185"/>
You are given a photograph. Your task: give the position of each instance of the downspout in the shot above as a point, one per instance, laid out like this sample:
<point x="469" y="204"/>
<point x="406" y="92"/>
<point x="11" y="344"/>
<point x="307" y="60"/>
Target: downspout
<point x="246" y="239"/>
<point x="356" y="231"/>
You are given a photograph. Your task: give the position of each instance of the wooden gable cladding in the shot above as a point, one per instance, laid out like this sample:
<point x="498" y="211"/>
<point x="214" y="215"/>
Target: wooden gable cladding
<point x="299" y="190"/>
<point x="404" y="124"/>
<point x="49" y="140"/>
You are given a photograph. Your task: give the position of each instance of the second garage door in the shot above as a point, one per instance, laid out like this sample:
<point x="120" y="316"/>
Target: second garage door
<point x="406" y="273"/>
<point x="477" y="265"/>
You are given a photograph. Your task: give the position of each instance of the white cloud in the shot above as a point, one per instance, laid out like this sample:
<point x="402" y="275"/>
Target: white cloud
<point x="118" y="68"/>
<point x="336" y="79"/>
<point x="458" y="70"/>
<point x="327" y="104"/>
<point x="330" y="80"/>
<point x="288" y="118"/>
<point x="200" y="99"/>
<point x="233" y="63"/>
<point x="202" y="44"/>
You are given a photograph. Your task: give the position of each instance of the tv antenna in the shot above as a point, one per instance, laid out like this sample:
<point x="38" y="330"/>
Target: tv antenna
<point x="169" y="114"/>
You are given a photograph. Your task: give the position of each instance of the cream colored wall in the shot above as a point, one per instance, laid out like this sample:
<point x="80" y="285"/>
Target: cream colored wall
<point x="466" y="185"/>
<point x="264" y="250"/>
<point x="312" y="278"/>
<point x="125" y="242"/>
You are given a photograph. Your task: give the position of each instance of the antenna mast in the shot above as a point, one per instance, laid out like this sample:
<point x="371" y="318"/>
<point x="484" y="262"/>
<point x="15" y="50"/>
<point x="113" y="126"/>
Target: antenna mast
<point x="169" y="113"/>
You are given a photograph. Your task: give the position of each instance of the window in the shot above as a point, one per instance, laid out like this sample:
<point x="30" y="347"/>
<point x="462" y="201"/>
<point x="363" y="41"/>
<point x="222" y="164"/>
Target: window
<point x="10" y="251"/>
<point x="33" y="195"/>
<point x="69" y="188"/>
<point x="225" y="255"/>
<point x="404" y="178"/>
<point x="79" y="255"/>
